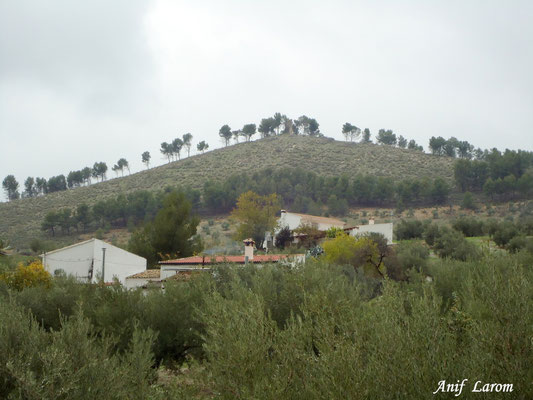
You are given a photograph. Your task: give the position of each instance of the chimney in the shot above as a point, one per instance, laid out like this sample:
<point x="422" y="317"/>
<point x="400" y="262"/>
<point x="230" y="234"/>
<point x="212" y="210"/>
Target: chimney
<point x="371" y="221"/>
<point x="248" y="249"/>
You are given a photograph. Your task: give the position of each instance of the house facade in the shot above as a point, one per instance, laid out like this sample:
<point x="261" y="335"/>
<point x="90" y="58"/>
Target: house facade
<point x="92" y="260"/>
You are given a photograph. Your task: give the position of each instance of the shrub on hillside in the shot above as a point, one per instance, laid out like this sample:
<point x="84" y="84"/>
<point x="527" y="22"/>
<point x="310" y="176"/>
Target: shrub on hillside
<point x="452" y="244"/>
<point x="504" y="232"/>
<point x="412" y="255"/>
<point x="469" y="226"/>
<point x="409" y="229"/>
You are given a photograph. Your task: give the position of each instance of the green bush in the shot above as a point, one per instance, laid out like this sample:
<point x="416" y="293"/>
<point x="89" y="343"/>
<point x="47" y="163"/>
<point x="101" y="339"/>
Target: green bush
<point x="70" y="363"/>
<point x="412" y="255"/>
<point x="409" y="229"/>
<point x="504" y="232"/>
<point x="469" y="226"/>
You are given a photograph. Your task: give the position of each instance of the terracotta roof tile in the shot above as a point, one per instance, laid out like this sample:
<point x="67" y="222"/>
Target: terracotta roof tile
<point x="228" y="259"/>
<point x="148" y="274"/>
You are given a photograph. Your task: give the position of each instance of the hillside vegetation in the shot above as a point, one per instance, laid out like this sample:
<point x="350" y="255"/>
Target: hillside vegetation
<point x="20" y="220"/>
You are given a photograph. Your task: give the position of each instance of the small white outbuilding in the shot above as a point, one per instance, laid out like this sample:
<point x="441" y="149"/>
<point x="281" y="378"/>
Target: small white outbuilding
<point x="88" y="261"/>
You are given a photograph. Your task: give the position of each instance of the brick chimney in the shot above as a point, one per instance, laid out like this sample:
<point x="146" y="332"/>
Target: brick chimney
<point x="249" y="249"/>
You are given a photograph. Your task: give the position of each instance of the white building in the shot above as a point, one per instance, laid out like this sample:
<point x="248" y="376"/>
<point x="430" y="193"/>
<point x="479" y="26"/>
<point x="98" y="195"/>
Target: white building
<point x="295" y="220"/>
<point x="384" y="229"/>
<point x="90" y="260"/>
<point x="143" y="279"/>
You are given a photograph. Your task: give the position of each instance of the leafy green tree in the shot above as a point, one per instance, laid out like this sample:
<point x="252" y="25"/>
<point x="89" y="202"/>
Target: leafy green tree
<point x="248" y="131"/>
<point x="266" y="127"/>
<point x="86" y="174"/>
<point x="177" y="145"/>
<point x="145" y="157"/>
<point x="360" y="252"/>
<point x="366" y="136"/>
<point x="99" y="170"/>
<point x="468" y="202"/>
<point x="525" y="184"/>
<point x="402" y="142"/>
<point x="256" y="215"/>
<point x="283" y="237"/>
<point x="187" y="142"/>
<point x="41" y="185"/>
<point x="412" y="255"/>
<point x="83" y="215"/>
<point x="350" y="131"/>
<point x="225" y="133"/>
<point x="313" y="127"/>
<point x="346" y="130"/>
<point x="277" y="122"/>
<point x="440" y="191"/>
<point x="409" y="229"/>
<point x="450" y="147"/>
<point x="465" y="149"/>
<point x="452" y="244"/>
<point x="386" y="137"/>
<point x="57" y="183"/>
<point x="337" y="206"/>
<point x="123" y="163"/>
<point x="115" y="168"/>
<point x="436" y="145"/>
<point x="166" y="150"/>
<point x="11" y="186"/>
<point x="202" y="146"/>
<point x="51" y="220"/>
<point x="307" y="126"/>
<point x="74" y="179"/>
<point x="172" y="234"/>
<point x="29" y="187"/>
<point x="414" y="146"/>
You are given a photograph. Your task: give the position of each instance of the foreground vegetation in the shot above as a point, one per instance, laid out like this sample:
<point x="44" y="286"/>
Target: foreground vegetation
<point x="318" y="331"/>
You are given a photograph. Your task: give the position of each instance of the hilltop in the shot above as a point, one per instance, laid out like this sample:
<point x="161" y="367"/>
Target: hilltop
<point x="20" y="219"/>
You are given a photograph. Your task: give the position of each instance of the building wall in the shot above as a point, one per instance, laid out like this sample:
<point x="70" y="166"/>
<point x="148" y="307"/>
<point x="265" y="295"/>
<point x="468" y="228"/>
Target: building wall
<point x="78" y="260"/>
<point x="118" y="263"/>
<point x="385" y="229"/>
<point x="170" y="270"/>
<point x="293" y="221"/>
<point x="75" y="261"/>
<point x="290" y="220"/>
<point x="132" y="283"/>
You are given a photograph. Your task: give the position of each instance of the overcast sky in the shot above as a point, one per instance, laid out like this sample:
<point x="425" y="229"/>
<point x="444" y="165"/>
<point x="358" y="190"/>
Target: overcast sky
<point x="97" y="80"/>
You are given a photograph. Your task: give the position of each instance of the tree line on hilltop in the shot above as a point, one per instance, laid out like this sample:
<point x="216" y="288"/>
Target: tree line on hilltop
<point x="470" y="174"/>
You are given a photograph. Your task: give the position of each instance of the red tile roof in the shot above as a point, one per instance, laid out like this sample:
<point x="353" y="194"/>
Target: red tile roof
<point x="228" y="259"/>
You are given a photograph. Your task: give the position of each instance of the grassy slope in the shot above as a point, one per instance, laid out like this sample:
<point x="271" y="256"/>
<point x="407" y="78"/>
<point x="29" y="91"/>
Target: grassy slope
<point x="20" y="220"/>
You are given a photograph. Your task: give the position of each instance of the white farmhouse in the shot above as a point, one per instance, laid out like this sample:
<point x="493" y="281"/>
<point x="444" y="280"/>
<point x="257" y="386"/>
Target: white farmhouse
<point x="384" y="229"/>
<point x="295" y="220"/>
<point x="93" y="259"/>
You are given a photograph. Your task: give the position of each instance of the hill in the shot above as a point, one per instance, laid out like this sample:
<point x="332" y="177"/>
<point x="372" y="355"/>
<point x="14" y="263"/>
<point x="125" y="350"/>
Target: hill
<point x="20" y="220"/>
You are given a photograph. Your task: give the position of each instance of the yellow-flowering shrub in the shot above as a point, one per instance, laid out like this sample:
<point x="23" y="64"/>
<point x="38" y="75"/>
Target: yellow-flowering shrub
<point x="25" y="276"/>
